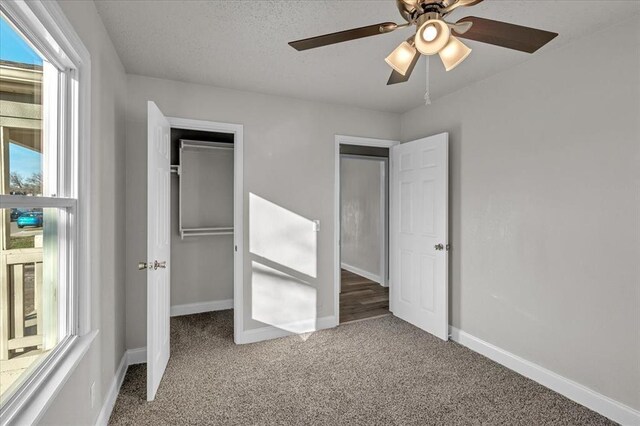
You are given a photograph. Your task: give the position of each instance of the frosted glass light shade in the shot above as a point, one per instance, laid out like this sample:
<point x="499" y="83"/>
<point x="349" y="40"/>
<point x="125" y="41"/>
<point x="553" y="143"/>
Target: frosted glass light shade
<point x="429" y="42"/>
<point x="454" y="53"/>
<point x="400" y="59"/>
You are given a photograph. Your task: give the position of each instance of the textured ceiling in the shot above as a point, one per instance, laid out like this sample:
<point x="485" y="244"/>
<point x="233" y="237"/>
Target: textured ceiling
<point x="243" y="45"/>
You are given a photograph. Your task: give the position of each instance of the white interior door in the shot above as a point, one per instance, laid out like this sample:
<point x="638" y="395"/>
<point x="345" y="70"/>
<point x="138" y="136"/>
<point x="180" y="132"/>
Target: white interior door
<point x="419" y="288"/>
<point x="158" y="246"/>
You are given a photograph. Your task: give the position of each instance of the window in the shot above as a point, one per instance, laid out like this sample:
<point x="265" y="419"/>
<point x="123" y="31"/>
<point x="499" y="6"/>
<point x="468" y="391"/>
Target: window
<point x="44" y="278"/>
<point x="34" y="309"/>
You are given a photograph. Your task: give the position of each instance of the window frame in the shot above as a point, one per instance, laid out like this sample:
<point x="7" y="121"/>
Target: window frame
<point x="44" y="24"/>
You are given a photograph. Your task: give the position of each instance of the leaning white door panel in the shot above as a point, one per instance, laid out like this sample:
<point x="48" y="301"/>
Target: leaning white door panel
<point x="158" y="246"/>
<point x="419" y="234"/>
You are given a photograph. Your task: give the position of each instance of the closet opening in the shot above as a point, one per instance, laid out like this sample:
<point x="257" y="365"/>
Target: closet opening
<point x="364" y="232"/>
<point x="202" y="221"/>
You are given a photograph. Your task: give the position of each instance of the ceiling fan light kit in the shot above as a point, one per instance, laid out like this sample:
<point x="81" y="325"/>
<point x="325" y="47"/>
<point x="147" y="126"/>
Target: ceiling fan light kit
<point x="400" y="59"/>
<point x="453" y="53"/>
<point x="434" y="35"/>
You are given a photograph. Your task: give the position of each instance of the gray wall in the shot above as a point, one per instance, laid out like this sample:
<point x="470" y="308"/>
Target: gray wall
<point x="108" y="91"/>
<point x="202" y="267"/>
<point x="362" y="221"/>
<point x="289" y="161"/>
<point x="545" y="175"/>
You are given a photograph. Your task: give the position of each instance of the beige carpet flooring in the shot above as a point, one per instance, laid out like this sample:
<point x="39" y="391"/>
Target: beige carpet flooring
<point x="377" y="372"/>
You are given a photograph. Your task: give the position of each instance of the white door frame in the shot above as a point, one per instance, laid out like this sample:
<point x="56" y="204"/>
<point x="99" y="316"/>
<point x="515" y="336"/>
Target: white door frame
<point x="238" y="206"/>
<point x="347" y="140"/>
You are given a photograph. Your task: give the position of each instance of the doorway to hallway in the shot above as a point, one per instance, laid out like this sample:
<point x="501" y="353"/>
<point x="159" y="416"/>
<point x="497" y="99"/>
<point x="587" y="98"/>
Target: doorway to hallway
<point x="364" y="231"/>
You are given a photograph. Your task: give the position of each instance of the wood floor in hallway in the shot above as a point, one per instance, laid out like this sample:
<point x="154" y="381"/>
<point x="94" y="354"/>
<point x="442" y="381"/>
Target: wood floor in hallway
<point x="361" y="298"/>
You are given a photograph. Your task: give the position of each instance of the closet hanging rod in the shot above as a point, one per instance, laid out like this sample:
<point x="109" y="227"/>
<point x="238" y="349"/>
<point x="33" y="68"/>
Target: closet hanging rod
<point x="205" y="234"/>
<point x="192" y="233"/>
<point x="206" y="147"/>
<point x="201" y="232"/>
<point x="211" y="228"/>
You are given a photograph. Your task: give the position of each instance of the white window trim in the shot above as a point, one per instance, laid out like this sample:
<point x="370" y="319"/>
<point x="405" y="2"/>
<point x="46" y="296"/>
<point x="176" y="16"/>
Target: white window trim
<point x="48" y="28"/>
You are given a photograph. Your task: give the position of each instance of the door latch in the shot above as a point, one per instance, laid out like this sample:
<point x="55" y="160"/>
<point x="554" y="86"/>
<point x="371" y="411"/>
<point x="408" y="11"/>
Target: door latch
<point x="148" y="265"/>
<point x="161" y="265"/>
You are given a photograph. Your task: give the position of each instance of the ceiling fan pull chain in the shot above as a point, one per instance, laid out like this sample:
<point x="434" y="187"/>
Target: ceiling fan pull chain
<point x="427" y="96"/>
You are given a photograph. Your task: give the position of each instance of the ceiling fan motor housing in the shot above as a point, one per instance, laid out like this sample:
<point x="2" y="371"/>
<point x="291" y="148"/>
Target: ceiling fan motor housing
<point x="432" y="7"/>
<point x="427" y="17"/>
<point x="414" y="10"/>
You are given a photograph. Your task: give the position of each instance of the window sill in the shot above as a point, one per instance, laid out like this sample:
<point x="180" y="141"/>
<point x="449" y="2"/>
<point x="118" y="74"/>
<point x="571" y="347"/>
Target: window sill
<point x="28" y="407"/>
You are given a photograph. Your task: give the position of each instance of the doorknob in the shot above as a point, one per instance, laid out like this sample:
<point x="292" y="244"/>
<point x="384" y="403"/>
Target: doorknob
<point x="155" y="265"/>
<point x="439" y="247"/>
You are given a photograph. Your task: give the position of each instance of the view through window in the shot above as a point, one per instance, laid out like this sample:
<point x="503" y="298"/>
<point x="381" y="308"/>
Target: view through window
<point x="29" y="294"/>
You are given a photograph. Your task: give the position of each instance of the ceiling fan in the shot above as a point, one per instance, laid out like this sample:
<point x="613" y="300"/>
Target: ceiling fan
<point x="434" y="35"/>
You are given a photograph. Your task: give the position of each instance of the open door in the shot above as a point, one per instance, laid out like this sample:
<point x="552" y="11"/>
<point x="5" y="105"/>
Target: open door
<point x="419" y="290"/>
<point x="158" y="246"/>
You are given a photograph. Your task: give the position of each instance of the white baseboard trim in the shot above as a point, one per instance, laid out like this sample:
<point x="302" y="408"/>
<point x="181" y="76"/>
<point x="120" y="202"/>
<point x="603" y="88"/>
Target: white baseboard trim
<point x="593" y="400"/>
<point x="137" y="356"/>
<point x="130" y="357"/>
<point x="112" y="394"/>
<point x="197" y="308"/>
<point x="368" y="275"/>
<point x="271" y="332"/>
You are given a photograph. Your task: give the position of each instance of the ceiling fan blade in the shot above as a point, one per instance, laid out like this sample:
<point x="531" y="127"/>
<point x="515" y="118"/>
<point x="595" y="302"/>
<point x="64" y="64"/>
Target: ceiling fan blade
<point x="341" y="36"/>
<point x="396" y="77"/>
<point x="516" y="37"/>
<point x="459" y="3"/>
